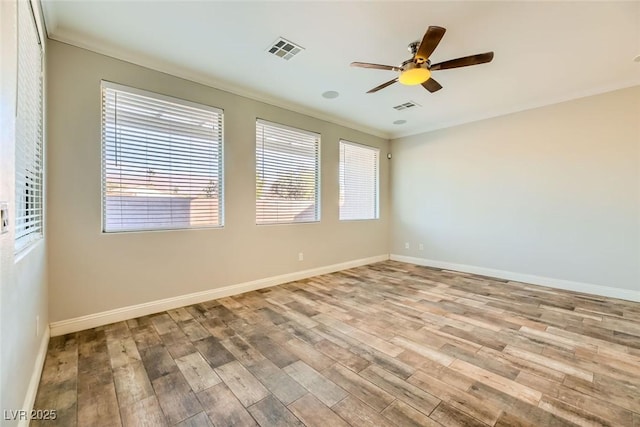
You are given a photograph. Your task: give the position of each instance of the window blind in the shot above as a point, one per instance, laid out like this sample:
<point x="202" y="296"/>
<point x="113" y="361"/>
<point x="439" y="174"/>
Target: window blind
<point x="161" y="162"/>
<point x="287" y="174"/>
<point x="358" y="181"/>
<point x="28" y="148"/>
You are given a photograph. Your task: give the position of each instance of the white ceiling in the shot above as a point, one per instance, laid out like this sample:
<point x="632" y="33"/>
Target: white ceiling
<point x="545" y="52"/>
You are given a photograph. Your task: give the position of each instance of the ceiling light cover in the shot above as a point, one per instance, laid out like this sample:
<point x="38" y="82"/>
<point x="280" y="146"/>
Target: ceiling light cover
<point x="414" y="76"/>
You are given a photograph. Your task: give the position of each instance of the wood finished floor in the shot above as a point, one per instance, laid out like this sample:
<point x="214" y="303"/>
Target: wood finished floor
<point x="389" y="344"/>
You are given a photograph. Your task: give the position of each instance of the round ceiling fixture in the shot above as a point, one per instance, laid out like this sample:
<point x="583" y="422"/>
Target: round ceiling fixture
<point x="399" y="122"/>
<point x="414" y="74"/>
<point x="636" y="59"/>
<point x="330" y="94"/>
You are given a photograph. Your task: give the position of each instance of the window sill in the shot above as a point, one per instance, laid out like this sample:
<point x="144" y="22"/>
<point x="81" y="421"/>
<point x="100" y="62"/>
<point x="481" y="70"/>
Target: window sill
<point x="27" y="249"/>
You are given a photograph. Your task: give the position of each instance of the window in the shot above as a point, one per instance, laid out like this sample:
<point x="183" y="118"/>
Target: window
<point x="161" y="162"/>
<point x="358" y="181"/>
<point x="287" y="174"/>
<point x="28" y="152"/>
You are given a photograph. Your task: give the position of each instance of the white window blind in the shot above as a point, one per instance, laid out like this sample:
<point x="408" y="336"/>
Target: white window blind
<point x="358" y="181"/>
<point x="161" y="162"/>
<point x="287" y="174"/>
<point x="28" y="151"/>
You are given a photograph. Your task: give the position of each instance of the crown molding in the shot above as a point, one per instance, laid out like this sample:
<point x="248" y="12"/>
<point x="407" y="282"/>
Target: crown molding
<point x="520" y="108"/>
<point x="75" y="39"/>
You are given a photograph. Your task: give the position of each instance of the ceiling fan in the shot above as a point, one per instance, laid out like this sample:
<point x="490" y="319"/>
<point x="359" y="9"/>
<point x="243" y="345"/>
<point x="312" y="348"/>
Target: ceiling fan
<point x="417" y="70"/>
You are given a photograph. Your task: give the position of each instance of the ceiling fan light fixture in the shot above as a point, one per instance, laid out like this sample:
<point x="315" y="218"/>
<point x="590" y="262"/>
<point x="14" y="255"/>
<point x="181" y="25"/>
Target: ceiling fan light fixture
<point x="417" y="70"/>
<point x="414" y="74"/>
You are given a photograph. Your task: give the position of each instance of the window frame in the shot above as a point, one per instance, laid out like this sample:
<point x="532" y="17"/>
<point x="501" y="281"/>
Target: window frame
<point x="318" y="186"/>
<point x="105" y="84"/>
<point x="377" y="179"/>
<point x="24" y="201"/>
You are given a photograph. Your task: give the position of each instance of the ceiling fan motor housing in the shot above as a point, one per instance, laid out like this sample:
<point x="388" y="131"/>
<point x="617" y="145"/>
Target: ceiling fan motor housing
<point x="413" y="50"/>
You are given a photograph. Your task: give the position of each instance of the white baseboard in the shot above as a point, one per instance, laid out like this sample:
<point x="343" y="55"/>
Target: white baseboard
<point x="32" y="390"/>
<point x="588" y="288"/>
<point x="119" y="314"/>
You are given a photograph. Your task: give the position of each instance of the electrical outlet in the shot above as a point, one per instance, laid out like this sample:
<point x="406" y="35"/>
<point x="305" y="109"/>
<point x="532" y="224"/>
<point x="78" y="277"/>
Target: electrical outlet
<point x="300" y="256"/>
<point x="421" y="247"/>
<point x="406" y="245"/>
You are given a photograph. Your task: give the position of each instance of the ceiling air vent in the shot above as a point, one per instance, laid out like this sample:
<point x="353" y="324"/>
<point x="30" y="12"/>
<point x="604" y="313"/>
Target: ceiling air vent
<point x="284" y="49"/>
<point x="406" y="105"/>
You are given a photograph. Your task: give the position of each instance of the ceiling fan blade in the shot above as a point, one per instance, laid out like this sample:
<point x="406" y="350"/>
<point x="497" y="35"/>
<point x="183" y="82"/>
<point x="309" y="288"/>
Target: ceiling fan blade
<point x="383" y="85"/>
<point x="429" y="42"/>
<point x="431" y="85"/>
<point x="375" y="66"/>
<point x="464" y="61"/>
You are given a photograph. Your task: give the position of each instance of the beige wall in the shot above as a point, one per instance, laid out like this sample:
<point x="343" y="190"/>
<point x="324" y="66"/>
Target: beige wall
<point x="552" y="192"/>
<point x="23" y="283"/>
<point x="91" y="272"/>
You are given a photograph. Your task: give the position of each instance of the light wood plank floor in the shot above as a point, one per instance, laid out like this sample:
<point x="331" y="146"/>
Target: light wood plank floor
<point x="389" y="344"/>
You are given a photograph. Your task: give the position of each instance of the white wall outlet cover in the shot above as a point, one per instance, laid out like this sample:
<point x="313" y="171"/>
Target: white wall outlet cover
<point x="4" y="217"/>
